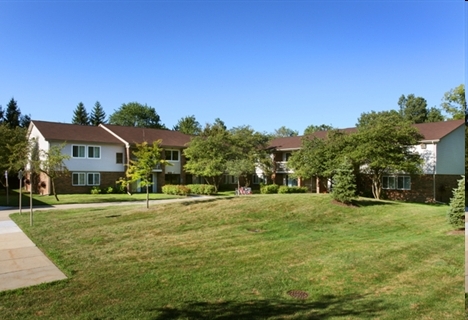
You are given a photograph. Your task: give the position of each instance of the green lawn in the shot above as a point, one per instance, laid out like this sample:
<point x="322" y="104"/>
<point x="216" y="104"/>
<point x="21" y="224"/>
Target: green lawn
<point x="41" y="200"/>
<point x="237" y="258"/>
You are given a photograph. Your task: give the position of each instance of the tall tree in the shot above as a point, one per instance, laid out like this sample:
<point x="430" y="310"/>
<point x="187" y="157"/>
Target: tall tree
<point x="12" y="114"/>
<point x="344" y="186"/>
<point x="188" y="125"/>
<point x="134" y="114"/>
<point x="413" y="109"/>
<point x="454" y="102"/>
<point x="13" y="148"/>
<point x="147" y="157"/>
<point x="2" y="113"/>
<point x="98" y="115"/>
<point x="383" y="145"/>
<point x="207" y="154"/>
<point x="80" y="115"/>
<point x="313" y="128"/>
<point x="284" y="132"/>
<point x="434" y="115"/>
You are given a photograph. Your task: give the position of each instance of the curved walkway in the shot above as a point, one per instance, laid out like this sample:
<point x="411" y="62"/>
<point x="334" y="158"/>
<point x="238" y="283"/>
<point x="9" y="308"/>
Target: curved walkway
<point x="22" y="264"/>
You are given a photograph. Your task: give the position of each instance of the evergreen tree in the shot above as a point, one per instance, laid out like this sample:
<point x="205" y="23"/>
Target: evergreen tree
<point x="80" y="115"/>
<point x="188" y="125"/>
<point x="1" y="114"/>
<point x="344" y="186"/>
<point x="98" y="115"/>
<point x="12" y="114"/>
<point x="456" y="213"/>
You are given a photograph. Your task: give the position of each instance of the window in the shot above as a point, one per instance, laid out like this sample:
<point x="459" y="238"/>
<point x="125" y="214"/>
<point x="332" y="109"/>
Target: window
<point x="257" y="180"/>
<point x="231" y="179"/>
<point x="94" y="152"/>
<point x="78" y="152"/>
<point x="287" y="155"/>
<point x="78" y="179"/>
<point x="119" y="157"/>
<point x="86" y="179"/>
<point x="94" y="179"/>
<point x="172" y="155"/>
<point x="396" y="182"/>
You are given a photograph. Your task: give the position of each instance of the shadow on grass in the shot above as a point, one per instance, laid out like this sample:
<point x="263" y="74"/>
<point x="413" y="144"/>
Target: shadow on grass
<point x="370" y="203"/>
<point x="13" y="200"/>
<point x="325" y="307"/>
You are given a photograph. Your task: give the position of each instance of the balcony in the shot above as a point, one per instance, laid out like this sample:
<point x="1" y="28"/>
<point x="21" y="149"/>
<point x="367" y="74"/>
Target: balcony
<point x="282" y="167"/>
<point x="158" y="168"/>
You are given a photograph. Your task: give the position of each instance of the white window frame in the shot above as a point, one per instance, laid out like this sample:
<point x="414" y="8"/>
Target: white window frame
<point x="172" y="152"/>
<point x="83" y="174"/>
<point x="230" y="179"/>
<point x="83" y="179"/>
<point x="396" y="182"/>
<point x="94" y="175"/>
<point x="79" y="146"/>
<point x="256" y="179"/>
<point x="94" y="151"/>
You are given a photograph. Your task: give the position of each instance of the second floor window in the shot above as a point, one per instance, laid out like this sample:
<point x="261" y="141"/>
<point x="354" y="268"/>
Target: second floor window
<point x="172" y="155"/>
<point x="78" y="152"/>
<point x="119" y="157"/>
<point x="94" y="152"/>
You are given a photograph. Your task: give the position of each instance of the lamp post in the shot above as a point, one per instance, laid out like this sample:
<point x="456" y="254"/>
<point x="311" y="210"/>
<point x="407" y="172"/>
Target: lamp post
<point x="20" y="177"/>
<point x="6" y="185"/>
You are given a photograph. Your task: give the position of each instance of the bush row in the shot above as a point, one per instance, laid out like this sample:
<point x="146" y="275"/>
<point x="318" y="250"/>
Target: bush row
<point x="184" y="190"/>
<point x="274" y="188"/>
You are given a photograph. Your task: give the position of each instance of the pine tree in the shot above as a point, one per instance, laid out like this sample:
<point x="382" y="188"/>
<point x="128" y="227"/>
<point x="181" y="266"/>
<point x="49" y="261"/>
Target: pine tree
<point x="456" y="213"/>
<point x="12" y="114"/>
<point x="80" y="115"/>
<point x="98" y="115"/>
<point x="344" y="187"/>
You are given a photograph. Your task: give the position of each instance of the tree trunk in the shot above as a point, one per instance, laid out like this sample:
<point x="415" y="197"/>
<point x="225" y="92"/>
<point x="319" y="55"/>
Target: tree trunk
<point x="53" y="189"/>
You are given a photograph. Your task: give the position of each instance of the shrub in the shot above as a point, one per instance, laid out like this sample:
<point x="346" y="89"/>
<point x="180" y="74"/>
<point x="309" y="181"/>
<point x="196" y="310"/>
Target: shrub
<point x="179" y="190"/>
<point x="109" y="190"/>
<point x="286" y="189"/>
<point x="95" y="190"/>
<point x="344" y="187"/>
<point x="456" y="213"/>
<point x="206" y="189"/>
<point x="268" y="188"/>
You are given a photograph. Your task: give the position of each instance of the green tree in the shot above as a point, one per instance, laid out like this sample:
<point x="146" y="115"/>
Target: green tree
<point x="140" y="169"/>
<point x="188" y="125"/>
<point x="52" y="163"/>
<point x="2" y="113"/>
<point x="13" y="148"/>
<point x="134" y="114"/>
<point x="413" y="109"/>
<point x="240" y="168"/>
<point x="456" y="213"/>
<point x="313" y="128"/>
<point x="383" y="145"/>
<point x="344" y="182"/>
<point x="284" y="132"/>
<point x="208" y="153"/>
<point x="454" y="102"/>
<point x="98" y="115"/>
<point x="12" y="114"/>
<point x="80" y="115"/>
<point x="434" y="115"/>
<point x="320" y="157"/>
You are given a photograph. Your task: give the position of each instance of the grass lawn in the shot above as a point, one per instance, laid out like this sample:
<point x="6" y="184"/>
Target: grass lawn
<point x="40" y="200"/>
<point x="238" y="257"/>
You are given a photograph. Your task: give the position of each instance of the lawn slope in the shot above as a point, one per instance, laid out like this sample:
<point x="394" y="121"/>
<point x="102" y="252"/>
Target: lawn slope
<point x="237" y="258"/>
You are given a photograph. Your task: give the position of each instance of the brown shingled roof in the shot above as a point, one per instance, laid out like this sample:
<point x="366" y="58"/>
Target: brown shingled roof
<point x="430" y="131"/>
<point x="73" y="132"/>
<point x="138" y="135"/>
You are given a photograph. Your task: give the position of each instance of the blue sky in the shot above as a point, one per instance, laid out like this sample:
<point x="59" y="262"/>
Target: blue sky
<point x="266" y="64"/>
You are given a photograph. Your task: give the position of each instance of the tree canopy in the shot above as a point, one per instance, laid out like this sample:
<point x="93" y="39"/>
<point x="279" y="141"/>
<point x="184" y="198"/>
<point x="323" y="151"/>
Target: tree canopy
<point x="134" y="114"/>
<point x="454" y="102"/>
<point x="98" y="115"/>
<point x="313" y="128"/>
<point x="188" y="125"/>
<point x="284" y="132"/>
<point x="383" y="145"/>
<point x="413" y="109"/>
<point x="80" y="115"/>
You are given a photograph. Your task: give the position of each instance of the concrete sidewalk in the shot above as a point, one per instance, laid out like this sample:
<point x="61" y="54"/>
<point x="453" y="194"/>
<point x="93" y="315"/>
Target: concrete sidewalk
<point x="22" y="264"/>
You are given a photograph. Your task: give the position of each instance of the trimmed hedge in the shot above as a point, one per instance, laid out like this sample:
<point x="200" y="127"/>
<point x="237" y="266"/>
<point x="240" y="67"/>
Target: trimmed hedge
<point x="268" y="188"/>
<point x="179" y="190"/>
<point x="286" y="189"/>
<point x="183" y="190"/>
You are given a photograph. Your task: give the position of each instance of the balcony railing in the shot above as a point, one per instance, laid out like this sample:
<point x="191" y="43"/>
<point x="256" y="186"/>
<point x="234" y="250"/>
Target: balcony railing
<point x="282" y="167"/>
<point x="158" y="168"/>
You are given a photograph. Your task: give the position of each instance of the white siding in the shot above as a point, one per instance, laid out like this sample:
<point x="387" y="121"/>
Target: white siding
<point x="174" y="169"/>
<point x="428" y="153"/>
<point x="107" y="162"/>
<point x="451" y="153"/>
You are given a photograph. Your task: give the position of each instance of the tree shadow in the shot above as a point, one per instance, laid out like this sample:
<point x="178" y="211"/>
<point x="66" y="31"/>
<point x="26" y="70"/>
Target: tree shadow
<point x="323" y="308"/>
<point x="370" y="203"/>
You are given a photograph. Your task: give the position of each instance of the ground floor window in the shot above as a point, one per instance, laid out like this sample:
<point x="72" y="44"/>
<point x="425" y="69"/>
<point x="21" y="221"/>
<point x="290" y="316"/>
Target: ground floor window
<point x="396" y="182"/>
<point x="172" y="178"/>
<point x="228" y="179"/>
<point x="86" y="178"/>
<point x="291" y="182"/>
<point x="256" y="179"/>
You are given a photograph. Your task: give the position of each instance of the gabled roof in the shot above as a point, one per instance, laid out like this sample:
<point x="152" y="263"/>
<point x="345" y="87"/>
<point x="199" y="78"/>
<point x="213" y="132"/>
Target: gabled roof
<point x="432" y="131"/>
<point x="134" y="135"/>
<point x="56" y="131"/>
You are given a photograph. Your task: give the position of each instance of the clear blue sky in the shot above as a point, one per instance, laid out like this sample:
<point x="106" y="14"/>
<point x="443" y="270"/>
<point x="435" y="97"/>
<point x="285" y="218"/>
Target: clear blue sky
<point x="266" y="64"/>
